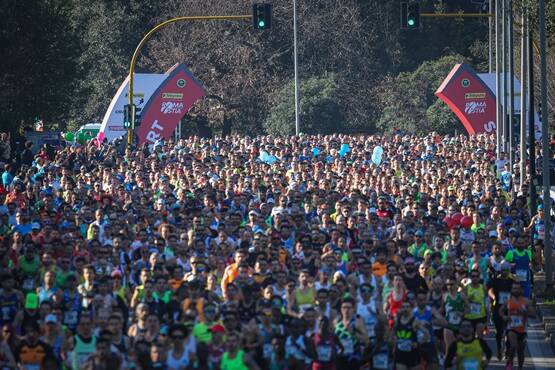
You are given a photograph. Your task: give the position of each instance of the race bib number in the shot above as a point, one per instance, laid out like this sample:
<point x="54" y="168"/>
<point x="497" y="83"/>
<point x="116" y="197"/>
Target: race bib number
<point x="70" y="318"/>
<point x="31" y="366"/>
<point x="404" y="345"/>
<point x="516" y="321"/>
<point x="267" y="350"/>
<point x="324" y="353"/>
<point x="371" y="331"/>
<point x="421" y="336"/>
<point x="6" y="314"/>
<point x="82" y="359"/>
<point x="348" y="346"/>
<point x="469" y="364"/>
<point x="454" y="317"/>
<point x="28" y="284"/>
<point x="380" y="361"/>
<point x="522" y="274"/>
<point x="504" y="297"/>
<point x="475" y="309"/>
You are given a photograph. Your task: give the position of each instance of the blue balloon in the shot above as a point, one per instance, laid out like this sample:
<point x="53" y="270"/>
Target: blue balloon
<point x="377" y="155"/>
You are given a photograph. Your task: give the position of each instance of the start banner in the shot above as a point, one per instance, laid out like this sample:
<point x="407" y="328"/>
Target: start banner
<point x="470" y="99"/>
<point x="167" y="106"/>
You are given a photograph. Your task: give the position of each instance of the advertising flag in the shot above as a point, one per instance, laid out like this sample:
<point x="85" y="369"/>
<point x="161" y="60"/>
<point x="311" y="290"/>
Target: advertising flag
<point x="470" y="99"/>
<point x="167" y="106"/>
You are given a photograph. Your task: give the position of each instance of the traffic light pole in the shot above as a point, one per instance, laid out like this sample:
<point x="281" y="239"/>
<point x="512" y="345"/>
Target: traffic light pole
<point x="297" y="103"/>
<point x="547" y="251"/>
<point x="511" y="91"/>
<point x="149" y="35"/>
<point x="498" y="108"/>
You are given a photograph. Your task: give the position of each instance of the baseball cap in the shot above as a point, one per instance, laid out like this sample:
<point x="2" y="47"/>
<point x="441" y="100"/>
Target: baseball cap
<point x="217" y="329"/>
<point x="31" y="301"/>
<point x="419" y="233"/>
<point x="35" y="226"/>
<point x="493" y="234"/>
<point x="51" y="319"/>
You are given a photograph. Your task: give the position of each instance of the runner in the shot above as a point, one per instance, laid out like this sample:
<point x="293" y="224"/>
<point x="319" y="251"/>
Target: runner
<point x="454" y="308"/>
<point x="468" y="352"/>
<point x="352" y="334"/>
<point x="426" y="316"/>
<point x="515" y="313"/>
<point x="499" y="291"/>
<point x="405" y="340"/>
<point x="475" y="296"/>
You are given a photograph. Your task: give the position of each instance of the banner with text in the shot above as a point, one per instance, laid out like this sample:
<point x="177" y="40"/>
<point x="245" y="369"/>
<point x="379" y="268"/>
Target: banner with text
<point x="470" y="99"/>
<point x="167" y="106"/>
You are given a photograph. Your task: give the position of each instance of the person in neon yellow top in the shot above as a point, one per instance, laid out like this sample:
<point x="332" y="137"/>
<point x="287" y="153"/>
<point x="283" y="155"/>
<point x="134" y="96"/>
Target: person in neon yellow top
<point x="235" y="358"/>
<point x="475" y="297"/>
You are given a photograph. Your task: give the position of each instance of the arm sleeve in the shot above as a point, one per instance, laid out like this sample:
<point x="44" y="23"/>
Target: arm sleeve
<point x="509" y="256"/>
<point x="450" y="355"/>
<point x="485" y="348"/>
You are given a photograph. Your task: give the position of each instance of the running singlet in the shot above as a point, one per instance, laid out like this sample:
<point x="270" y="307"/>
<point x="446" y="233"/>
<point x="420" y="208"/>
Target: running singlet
<point x="424" y="318"/>
<point x="515" y="308"/>
<point x="325" y="348"/>
<point x="405" y="335"/>
<point x="236" y="363"/>
<point x="82" y="351"/>
<point x="454" y="310"/>
<point x="521" y="260"/>
<point x="469" y="355"/>
<point x="395" y="306"/>
<point x="477" y="301"/>
<point x="9" y="306"/>
<point x="348" y="341"/>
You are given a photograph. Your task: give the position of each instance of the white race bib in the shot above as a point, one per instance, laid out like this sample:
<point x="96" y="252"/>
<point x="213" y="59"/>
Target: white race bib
<point x="380" y="361"/>
<point x="516" y="321"/>
<point x="348" y="346"/>
<point x="504" y="297"/>
<point x="31" y="367"/>
<point x="522" y="275"/>
<point x="267" y="350"/>
<point x="404" y="345"/>
<point x="454" y="317"/>
<point x="28" y="284"/>
<point x="324" y="353"/>
<point x="475" y="309"/>
<point x="469" y="364"/>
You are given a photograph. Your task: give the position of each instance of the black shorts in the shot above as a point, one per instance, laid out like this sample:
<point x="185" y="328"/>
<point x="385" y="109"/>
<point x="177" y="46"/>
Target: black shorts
<point x="519" y="336"/>
<point x="438" y="333"/>
<point x="409" y="359"/>
<point x="476" y="322"/>
<point x="428" y="353"/>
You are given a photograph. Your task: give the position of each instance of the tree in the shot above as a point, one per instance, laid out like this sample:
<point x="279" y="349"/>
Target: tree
<point x="38" y="49"/>
<point x="320" y="112"/>
<point x="109" y="32"/>
<point x="408" y="101"/>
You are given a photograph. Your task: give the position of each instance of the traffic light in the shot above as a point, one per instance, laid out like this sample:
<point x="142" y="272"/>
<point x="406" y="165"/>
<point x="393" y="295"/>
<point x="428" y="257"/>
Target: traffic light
<point x="137" y="117"/>
<point x="129" y="116"/>
<point x="410" y="15"/>
<point x="262" y="16"/>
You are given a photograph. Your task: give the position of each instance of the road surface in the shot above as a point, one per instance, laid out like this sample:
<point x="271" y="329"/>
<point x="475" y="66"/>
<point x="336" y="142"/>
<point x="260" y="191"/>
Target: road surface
<point x="539" y="354"/>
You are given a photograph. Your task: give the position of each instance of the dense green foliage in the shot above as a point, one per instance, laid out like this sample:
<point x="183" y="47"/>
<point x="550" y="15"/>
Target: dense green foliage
<point x="63" y="61"/>
<point x="320" y="111"/>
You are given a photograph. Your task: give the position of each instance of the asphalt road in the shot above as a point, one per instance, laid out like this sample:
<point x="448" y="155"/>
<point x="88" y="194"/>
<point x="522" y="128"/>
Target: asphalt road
<point x="539" y="354"/>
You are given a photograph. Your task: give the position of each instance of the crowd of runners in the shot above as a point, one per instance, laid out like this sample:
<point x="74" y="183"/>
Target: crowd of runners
<point x="308" y="252"/>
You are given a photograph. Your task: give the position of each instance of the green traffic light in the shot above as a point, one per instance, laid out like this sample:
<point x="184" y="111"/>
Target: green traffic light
<point x="411" y="22"/>
<point x="261" y="24"/>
